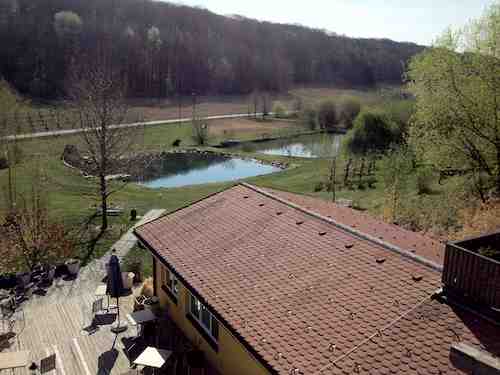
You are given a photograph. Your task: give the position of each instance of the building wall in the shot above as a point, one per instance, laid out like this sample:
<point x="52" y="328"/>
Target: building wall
<point x="231" y="358"/>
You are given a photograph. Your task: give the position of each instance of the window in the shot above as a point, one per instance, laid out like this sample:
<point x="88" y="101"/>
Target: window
<point x="170" y="283"/>
<point x="173" y="284"/>
<point x="204" y="317"/>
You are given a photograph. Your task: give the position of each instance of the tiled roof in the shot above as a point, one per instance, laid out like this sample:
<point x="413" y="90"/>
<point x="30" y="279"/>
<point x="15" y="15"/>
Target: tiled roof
<point x="298" y="290"/>
<point x="420" y="343"/>
<point x="416" y="243"/>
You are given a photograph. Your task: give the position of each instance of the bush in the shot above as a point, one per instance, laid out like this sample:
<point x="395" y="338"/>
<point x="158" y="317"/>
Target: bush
<point x="348" y="111"/>
<point x="279" y="111"/>
<point x="424" y="180"/>
<point x="327" y="115"/>
<point x="176" y="143"/>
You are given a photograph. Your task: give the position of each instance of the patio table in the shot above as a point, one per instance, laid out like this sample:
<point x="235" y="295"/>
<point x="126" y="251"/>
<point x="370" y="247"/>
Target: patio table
<point x="141" y="317"/>
<point x="13" y="360"/>
<point x="153" y="357"/>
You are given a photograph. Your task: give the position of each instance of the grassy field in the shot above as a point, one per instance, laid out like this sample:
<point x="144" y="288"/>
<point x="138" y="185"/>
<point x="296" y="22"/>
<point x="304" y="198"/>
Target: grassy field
<point x="33" y="117"/>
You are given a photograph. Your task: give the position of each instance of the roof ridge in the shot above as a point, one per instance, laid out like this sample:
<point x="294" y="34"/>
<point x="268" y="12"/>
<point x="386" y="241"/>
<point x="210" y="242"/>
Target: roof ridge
<point x="417" y="258"/>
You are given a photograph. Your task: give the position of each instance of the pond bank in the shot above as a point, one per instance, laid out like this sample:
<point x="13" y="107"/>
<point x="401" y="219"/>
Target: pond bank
<point x="178" y="167"/>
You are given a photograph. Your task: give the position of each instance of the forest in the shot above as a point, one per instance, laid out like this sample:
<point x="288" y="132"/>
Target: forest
<point x="163" y="49"/>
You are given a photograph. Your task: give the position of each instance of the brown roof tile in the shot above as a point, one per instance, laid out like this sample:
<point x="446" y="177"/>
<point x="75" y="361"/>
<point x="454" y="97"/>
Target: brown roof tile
<point x="416" y="243"/>
<point x="302" y="296"/>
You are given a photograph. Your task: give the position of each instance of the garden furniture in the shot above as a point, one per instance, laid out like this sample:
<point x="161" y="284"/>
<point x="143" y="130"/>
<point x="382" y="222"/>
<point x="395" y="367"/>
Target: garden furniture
<point x="153" y="358"/>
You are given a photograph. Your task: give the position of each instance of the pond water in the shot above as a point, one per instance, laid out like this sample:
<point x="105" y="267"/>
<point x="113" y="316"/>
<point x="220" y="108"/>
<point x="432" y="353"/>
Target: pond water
<point x="181" y="169"/>
<point x="304" y="146"/>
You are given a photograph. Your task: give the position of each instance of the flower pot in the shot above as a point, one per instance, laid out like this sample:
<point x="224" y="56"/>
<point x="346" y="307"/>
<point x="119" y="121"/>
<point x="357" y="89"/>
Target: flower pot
<point x="128" y="279"/>
<point x="73" y="266"/>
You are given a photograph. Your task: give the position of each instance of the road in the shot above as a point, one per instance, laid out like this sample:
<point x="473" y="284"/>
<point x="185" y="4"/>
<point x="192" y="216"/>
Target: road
<point x="54" y="133"/>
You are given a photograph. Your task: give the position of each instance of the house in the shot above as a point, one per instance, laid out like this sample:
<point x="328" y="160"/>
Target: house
<point x="268" y="282"/>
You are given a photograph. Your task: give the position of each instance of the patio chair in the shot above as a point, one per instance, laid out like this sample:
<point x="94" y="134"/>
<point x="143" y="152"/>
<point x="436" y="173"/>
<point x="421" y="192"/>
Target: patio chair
<point x="133" y="347"/>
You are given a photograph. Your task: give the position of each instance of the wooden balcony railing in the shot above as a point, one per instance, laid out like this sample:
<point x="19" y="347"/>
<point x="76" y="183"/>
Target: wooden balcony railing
<point x="470" y="275"/>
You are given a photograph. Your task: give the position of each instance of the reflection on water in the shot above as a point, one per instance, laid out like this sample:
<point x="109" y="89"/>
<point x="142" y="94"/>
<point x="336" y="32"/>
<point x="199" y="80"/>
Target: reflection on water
<point x="181" y="169"/>
<point x="305" y="146"/>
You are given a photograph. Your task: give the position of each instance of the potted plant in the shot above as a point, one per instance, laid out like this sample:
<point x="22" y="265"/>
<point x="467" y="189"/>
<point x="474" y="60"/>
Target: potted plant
<point x="73" y="266"/>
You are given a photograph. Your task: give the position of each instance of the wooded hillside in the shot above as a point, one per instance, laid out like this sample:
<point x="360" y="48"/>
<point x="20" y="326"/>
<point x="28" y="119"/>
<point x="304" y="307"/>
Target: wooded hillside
<point x="164" y="49"/>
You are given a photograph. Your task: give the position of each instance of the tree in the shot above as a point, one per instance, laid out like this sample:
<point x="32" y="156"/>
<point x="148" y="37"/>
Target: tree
<point x="327" y="114"/>
<point x="373" y="132"/>
<point x="198" y="50"/>
<point x="457" y="88"/>
<point x="266" y="104"/>
<point x="98" y="95"/>
<point x="67" y="24"/>
<point x="400" y="112"/>
<point x="349" y="110"/>
<point x="200" y="132"/>
<point x="309" y="117"/>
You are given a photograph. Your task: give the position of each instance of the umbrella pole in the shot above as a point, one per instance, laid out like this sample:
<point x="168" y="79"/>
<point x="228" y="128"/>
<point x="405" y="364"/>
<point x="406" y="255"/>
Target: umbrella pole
<point x="118" y="328"/>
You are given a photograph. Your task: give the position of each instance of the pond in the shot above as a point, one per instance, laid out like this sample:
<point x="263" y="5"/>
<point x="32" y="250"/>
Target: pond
<point x="304" y="146"/>
<point x="181" y="169"/>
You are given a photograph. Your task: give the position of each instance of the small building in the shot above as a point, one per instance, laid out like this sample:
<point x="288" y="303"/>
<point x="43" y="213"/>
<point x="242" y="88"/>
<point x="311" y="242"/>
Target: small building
<point x="268" y="282"/>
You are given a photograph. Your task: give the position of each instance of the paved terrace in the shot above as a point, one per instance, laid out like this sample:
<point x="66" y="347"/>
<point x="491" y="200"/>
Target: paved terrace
<point x="53" y="323"/>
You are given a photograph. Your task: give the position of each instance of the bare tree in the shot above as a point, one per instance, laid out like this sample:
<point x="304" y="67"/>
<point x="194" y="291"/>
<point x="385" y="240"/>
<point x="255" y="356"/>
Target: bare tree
<point x="98" y="94"/>
<point x="255" y="102"/>
<point x="266" y="105"/>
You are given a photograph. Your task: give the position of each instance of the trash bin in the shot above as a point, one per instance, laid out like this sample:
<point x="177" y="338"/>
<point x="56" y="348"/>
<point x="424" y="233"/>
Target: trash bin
<point x="128" y="279"/>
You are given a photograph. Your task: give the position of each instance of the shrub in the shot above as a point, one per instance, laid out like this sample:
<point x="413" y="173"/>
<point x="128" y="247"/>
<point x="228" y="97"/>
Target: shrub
<point x="176" y="143"/>
<point x="327" y="115"/>
<point x="348" y="111"/>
